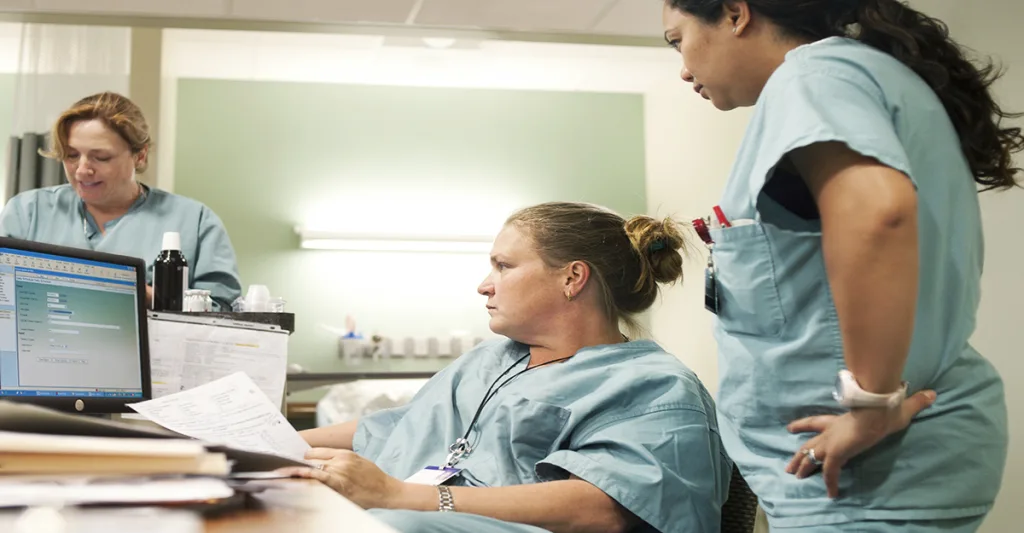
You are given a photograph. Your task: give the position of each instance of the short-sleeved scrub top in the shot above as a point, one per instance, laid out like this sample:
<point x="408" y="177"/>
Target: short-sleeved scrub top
<point x="780" y="346"/>
<point x="56" y="215"/>
<point x="628" y="418"/>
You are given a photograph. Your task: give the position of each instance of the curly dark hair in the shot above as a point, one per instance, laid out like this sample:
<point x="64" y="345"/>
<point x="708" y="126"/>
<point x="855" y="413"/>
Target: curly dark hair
<point x="922" y="43"/>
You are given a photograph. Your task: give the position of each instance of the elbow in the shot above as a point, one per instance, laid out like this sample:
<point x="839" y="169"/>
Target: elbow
<point x="893" y="215"/>
<point x="897" y="216"/>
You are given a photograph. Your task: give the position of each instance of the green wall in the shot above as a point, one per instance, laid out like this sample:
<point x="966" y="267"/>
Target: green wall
<point x="267" y="156"/>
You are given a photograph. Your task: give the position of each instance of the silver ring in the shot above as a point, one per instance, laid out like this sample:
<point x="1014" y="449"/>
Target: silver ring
<point x="321" y="466"/>
<point x="814" y="460"/>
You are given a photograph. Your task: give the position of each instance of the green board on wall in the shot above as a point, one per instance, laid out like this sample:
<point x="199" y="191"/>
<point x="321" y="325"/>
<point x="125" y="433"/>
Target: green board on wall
<point x="269" y="156"/>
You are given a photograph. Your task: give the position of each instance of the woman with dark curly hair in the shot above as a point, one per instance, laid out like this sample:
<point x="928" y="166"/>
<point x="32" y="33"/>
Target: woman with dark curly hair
<point x="847" y="260"/>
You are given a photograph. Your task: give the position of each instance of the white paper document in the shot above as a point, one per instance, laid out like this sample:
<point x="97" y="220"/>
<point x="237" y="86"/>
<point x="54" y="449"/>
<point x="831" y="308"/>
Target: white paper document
<point x="29" y="491"/>
<point x="232" y="411"/>
<point x="186" y="352"/>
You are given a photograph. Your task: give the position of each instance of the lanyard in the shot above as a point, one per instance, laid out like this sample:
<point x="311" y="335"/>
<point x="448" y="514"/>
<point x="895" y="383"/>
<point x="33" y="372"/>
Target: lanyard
<point x="700" y="225"/>
<point x="461" y="447"/>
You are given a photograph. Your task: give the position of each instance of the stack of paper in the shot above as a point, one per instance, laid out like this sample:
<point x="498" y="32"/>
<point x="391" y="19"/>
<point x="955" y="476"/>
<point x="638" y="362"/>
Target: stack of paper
<point x="232" y="411"/>
<point x="231" y="416"/>
<point x="29" y="453"/>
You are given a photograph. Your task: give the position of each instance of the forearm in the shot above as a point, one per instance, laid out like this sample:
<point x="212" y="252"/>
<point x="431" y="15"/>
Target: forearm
<point x="337" y="436"/>
<point x="872" y="264"/>
<point x="569" y="506"/>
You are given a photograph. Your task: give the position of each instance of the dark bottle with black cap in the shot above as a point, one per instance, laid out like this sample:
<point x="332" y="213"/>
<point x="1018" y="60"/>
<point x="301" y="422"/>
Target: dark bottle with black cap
<point x="170" y="275"/>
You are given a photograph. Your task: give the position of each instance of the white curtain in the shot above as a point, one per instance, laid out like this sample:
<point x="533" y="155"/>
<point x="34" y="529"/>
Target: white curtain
<point x="56" y="66"/>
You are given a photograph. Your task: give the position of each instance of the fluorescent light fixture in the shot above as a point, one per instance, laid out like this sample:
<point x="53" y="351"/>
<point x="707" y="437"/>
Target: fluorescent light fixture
<point x="355" y="242"/>
<point x="438" y="43"/>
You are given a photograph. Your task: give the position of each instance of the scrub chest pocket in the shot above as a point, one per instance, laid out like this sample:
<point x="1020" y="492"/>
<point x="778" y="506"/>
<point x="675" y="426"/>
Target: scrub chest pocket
<point x="519" y="433"/>
<point x="748" y="295"/>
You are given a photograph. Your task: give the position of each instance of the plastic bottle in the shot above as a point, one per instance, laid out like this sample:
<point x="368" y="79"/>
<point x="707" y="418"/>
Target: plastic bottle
<point x="170" y="275"/>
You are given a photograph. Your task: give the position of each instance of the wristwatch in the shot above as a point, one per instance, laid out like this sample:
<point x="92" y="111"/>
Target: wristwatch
<point x="446" y="503"/>
<point x="849" y="394"/>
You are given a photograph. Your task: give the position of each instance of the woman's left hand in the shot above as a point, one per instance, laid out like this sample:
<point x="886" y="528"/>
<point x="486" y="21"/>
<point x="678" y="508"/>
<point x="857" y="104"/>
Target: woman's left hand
<point x="843" y="437"/>
<point x="350" y="475"/>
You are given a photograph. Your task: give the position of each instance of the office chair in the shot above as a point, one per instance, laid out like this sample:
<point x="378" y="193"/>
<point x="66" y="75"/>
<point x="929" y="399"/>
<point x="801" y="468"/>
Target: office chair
<point x="740" y="508"/>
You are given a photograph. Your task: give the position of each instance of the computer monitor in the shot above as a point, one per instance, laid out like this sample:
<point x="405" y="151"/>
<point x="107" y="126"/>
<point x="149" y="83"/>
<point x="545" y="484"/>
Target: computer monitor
<point x="72" y="328"/>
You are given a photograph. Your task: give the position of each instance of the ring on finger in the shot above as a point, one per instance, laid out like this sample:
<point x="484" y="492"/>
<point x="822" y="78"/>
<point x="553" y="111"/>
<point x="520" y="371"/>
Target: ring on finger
<point x="810" y="455"/>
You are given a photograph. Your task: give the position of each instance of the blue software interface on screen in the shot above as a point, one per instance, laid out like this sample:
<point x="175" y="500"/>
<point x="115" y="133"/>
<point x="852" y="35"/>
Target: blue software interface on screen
<point x="68" y="327"/>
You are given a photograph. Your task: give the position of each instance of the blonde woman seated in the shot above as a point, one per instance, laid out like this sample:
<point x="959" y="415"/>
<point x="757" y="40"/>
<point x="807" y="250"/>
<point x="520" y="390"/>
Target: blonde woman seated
<point x="565" y="426"/>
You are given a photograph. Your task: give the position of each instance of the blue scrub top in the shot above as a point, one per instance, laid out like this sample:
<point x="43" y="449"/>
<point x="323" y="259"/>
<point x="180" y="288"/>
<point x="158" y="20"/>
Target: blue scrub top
<point x="628" y="418"/>
<point x="779" y="340"/>
<point x="56" y="215"/>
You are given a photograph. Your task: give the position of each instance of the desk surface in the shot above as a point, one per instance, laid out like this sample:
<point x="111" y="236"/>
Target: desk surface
<point x="297" y="506"/>
<point x="288" y="505"/>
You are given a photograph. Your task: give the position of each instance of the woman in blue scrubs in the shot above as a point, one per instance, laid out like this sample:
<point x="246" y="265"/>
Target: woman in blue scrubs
<point x="565" y="425"/>
<point x="103" y="141"/>
<point x="847" y="260"/>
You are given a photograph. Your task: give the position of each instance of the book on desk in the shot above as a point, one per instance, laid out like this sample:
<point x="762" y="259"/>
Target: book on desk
<point x="49" y="457"/>
<point x="33" y="453"/>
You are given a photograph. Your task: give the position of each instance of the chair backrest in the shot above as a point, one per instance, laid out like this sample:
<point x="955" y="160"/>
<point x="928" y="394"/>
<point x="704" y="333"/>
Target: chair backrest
<point x="739" y="512"/>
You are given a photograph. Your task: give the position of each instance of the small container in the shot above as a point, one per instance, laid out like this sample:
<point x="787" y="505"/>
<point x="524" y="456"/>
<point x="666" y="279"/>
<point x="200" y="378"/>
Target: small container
<point x="170" y="275"/>
<point x="257" y="299"/>
<point x="277" y="305"/>
<point x="352" y="349"/>
<point x="194" y="301"/>
<point x="207" y="301"/>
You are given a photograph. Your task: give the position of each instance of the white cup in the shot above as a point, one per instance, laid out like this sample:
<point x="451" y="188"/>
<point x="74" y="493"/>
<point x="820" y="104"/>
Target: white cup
<point x="257" y="300"/>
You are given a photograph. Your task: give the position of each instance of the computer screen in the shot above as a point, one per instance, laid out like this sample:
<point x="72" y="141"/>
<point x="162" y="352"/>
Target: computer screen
<point x="71" y="328"/>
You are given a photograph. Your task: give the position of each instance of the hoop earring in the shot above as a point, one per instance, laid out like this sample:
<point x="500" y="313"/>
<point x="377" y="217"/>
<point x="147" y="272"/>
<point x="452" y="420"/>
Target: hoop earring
<point x="568" y="295"/>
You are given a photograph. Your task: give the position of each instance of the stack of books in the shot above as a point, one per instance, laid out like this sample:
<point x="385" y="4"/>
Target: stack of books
<point x="40" y="454"/>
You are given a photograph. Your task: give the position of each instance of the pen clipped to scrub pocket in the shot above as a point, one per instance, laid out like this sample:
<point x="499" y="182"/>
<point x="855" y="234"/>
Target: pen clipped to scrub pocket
<point x="703" y="226"/>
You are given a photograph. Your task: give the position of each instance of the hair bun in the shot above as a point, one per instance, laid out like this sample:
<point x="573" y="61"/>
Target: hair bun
<point x="658" y="243"/>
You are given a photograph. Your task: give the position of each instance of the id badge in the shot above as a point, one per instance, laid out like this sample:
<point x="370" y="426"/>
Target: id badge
<point x="710" y="287"/>
<point x="433" y="475"/>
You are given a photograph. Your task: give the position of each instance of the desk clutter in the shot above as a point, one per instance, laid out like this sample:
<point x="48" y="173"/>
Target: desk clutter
<point x="208" y="442"/>
<point x="353" y="346"/>
<point x="208" y="387"/>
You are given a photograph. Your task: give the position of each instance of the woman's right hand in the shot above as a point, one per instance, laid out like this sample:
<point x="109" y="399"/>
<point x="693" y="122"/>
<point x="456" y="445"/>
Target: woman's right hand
<point x="352" y="476"/>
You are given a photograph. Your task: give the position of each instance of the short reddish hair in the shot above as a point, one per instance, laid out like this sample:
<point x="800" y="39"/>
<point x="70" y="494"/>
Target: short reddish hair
<point x="119" y="113"/>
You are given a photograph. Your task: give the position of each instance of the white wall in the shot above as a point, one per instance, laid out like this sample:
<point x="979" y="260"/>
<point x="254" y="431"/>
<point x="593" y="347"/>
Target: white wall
<point x="690" y="147"/>
<point x="690" y="150"/>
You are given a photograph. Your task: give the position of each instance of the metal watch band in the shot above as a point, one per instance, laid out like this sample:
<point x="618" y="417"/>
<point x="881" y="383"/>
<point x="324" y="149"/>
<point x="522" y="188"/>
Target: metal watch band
<point x="445" y="501"/>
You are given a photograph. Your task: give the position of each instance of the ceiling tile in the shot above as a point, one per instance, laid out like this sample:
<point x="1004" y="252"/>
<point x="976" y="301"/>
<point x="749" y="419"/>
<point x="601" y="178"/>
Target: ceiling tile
<point x="632" y="17"/>
<point x="525" y="15"/>
<point x="177" y="8"/>
<point x="388" y="11"/>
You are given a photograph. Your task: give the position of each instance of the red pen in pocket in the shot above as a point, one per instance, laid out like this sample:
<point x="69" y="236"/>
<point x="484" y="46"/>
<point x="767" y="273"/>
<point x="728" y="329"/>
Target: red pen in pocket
<point x="721" y="217"/>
